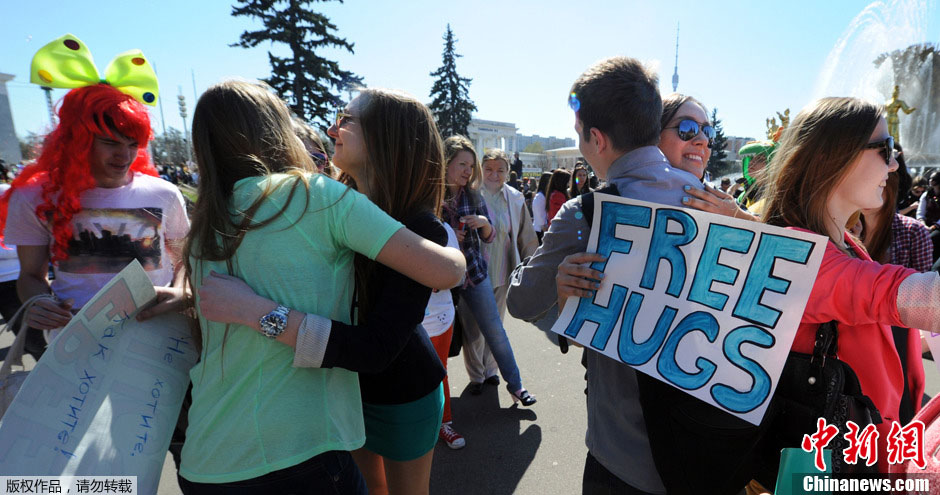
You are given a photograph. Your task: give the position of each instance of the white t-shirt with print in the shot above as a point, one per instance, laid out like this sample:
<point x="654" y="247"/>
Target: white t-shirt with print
<point x="115" y="226"/>
<point x="439" y="314"/>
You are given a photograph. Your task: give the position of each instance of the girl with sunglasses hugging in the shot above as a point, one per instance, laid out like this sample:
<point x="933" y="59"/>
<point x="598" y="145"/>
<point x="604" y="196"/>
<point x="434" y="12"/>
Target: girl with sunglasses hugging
<point x="686" y="140"/>
<point x="687" y="135"/>
<point x="294" y="238"/>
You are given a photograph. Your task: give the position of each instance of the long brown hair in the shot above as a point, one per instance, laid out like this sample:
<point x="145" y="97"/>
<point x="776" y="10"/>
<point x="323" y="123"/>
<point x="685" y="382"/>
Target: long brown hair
<point x="240" y="129"/>
<point x="405" y="166"/>
<point x="878" y="231"/>
<point x="558" y="182"/>
<point x="815" y="154"/>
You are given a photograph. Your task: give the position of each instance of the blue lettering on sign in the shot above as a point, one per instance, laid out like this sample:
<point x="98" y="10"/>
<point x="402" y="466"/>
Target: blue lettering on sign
<point x="612" y="215"/>
<point x="175" y="347"/>
<point x="720" y="237"/>
<point x="628" y="349"/>
<point x="665" y="246"/>
<point x="760" y="277"/>
<point x="109" y="332"/>
<point x="605" y="316"/>
<point x="85" y="381"/>
<point x="666" y="364"/>
<point x="145" y="417"/>
<point x="734" y="400"/>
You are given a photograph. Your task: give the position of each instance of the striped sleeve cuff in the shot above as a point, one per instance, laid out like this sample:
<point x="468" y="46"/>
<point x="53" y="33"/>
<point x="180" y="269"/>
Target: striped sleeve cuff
<point x="312" y="337"/>
<point x="918" y="295"/>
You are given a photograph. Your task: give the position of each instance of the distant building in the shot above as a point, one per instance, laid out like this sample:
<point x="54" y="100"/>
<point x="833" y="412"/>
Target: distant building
<point x="563" y="158"/>
<point x="548" y="143"/>
<point x="735" y="143"/>
<point x="9" y="143"/>
<point x="488" y="134"/>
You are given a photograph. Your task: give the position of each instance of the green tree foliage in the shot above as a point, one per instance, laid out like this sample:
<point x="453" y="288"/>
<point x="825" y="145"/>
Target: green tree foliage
<point x="310" y="83"/>
<point x="716" y="163"/>
<point x="30" y="146"/>
<point x="450" y="94"/>
<point x="916" y="71"/>
<point x="534" y="147"/>
<point x="169" y="149"/>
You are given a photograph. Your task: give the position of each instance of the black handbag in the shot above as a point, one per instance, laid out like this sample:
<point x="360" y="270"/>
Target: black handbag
<point x="699" y="448"/>
<point x="813" y="386"/>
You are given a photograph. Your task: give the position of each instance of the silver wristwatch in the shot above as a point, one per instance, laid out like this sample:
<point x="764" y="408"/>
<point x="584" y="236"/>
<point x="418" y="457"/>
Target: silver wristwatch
<point x="274" y="323"/>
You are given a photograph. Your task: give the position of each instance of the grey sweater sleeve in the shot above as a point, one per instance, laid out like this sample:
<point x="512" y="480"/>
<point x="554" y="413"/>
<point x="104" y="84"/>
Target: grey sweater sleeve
<point x="532" y="289"/>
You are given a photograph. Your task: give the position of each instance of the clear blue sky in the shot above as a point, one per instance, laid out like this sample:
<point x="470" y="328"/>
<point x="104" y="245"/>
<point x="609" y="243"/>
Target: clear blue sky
<point x="748" y="59"/>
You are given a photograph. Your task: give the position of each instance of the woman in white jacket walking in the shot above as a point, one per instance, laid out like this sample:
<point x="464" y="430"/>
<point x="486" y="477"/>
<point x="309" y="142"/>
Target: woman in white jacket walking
<point x="514" y="240"/>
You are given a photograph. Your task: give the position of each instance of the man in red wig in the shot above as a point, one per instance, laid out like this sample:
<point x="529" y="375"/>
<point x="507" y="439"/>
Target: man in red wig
<point x="90" y="204"/>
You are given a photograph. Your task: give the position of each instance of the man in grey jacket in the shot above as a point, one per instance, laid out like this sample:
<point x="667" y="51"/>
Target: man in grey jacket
<point x="617" y="112"/>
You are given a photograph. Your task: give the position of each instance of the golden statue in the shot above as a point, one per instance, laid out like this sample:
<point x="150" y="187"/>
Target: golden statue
<point x="774" y="130"/>
<point x="891" y="113"/>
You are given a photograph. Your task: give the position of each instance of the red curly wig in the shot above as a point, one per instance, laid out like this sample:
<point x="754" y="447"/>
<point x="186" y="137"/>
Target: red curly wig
<point x="64" y="164"/>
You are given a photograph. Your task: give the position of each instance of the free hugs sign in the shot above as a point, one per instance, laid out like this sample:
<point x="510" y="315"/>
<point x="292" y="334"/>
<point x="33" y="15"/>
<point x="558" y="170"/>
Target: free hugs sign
<point x="706" y="303"/>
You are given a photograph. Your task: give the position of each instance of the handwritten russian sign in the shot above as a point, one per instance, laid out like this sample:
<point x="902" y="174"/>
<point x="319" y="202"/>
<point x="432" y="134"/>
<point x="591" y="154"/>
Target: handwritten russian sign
<point x="706" y="303"/>
<point x="105" y="397"/>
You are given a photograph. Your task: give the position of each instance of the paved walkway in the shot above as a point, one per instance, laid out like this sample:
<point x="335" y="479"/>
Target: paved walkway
<point x="511" y="449"/>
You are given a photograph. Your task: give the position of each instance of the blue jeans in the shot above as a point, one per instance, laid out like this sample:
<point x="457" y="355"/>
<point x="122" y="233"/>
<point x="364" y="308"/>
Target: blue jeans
<point x="332" y="472"/>
<point x="481" y="302"/>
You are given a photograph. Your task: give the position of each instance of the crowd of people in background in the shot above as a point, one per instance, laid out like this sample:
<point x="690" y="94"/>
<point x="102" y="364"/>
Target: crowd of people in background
<point x="345" y="276"/>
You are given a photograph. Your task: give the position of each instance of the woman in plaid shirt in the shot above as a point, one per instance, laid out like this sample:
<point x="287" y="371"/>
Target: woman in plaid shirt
<point x="466" y="212"/>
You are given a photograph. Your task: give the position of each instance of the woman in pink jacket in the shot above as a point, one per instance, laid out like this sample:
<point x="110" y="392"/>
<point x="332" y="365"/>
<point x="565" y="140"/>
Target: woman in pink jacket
<point x="834" y="160"/>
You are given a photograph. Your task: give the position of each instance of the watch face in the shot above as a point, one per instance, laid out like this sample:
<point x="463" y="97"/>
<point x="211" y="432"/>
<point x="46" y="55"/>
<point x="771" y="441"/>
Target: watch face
<point x="273" y="324"/>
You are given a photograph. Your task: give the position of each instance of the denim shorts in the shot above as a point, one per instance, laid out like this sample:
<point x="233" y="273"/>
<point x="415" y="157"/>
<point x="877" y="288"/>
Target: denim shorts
<point x="403" y="432"/>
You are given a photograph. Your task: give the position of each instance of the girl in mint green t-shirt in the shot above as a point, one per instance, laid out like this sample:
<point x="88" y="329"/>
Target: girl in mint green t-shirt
<point x="261" y="216"/>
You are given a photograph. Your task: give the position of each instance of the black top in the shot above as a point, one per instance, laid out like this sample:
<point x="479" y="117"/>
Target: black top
<point x="391" y="351"/>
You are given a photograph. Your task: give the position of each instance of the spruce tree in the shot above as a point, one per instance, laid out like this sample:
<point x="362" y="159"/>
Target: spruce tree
<point x="450" y="96"/>
<point x="310" y="84"/>
<point x="716" y="163"/>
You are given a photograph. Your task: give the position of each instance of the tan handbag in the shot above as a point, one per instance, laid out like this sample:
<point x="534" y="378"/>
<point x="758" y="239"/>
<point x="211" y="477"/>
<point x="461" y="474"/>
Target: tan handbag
<point x="11" y="381"/>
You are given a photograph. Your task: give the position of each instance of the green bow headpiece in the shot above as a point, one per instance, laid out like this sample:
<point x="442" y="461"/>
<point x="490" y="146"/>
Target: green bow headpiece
<point x="67" y="63"/>
<point x="749" y="150"/>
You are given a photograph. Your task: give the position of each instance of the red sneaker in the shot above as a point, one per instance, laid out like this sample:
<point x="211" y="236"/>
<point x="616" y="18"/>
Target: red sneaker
<point x="453" y="439"/>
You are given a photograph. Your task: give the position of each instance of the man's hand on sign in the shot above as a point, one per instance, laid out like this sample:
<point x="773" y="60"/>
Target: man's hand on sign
<point x="715" y="201"/>
<point x="46" y="314"/>
<point x="576" y="278"/>
<point x="169" y="299"/>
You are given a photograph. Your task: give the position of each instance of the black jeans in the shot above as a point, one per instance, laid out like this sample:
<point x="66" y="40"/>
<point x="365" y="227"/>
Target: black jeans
<point x="599" y="481"/>
<point x="331" y="472"/>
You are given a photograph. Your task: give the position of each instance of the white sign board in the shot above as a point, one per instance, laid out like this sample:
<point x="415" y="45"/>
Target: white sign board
<point x="706" y="303"/>
<point x="105" y="397"/>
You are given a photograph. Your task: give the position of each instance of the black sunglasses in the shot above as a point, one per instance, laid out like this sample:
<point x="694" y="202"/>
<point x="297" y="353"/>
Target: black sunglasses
<point x="886" y="148"/>
<point x="319" y="159"/>
<point x="688" y="129"/>
<point x="342" y="117"/>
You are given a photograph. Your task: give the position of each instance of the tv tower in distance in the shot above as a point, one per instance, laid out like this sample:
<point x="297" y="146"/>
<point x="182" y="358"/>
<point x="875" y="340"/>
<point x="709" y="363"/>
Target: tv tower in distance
<point x="675" y="74"/>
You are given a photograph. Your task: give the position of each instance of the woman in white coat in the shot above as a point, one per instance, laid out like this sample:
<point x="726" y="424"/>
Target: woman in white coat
<point x="515" y="240"/>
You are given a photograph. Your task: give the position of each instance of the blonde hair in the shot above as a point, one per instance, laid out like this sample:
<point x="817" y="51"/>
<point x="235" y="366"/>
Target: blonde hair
<point x="454" y="145"/>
